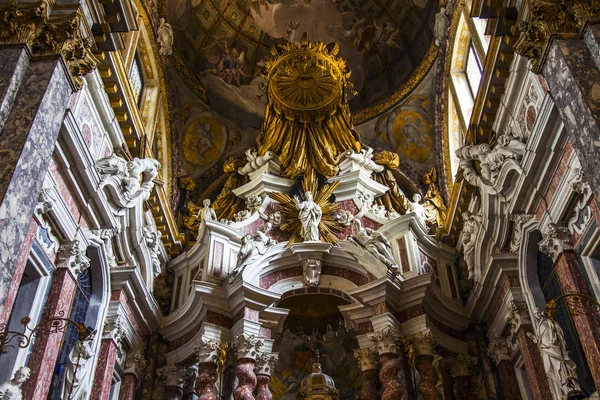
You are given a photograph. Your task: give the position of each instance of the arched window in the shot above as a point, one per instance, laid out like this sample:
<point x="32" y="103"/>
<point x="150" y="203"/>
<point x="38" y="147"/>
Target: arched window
<point x="136" y="78"/>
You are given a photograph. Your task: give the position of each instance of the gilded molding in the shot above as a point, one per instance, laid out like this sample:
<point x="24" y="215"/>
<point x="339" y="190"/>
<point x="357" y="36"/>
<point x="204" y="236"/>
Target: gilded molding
<point x="31" y="24"/>
<point x="547" y="19"/>
<point x="403" y="91"/>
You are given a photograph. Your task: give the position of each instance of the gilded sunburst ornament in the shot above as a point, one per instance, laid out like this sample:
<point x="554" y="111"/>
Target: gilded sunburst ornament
<point x="288" y="207"/>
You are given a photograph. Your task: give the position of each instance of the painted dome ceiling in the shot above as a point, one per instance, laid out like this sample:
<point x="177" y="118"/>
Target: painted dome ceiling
<point x="383" y="42"/>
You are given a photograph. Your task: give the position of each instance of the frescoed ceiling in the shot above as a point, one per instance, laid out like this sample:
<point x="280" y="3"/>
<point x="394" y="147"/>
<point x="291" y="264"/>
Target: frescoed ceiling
<point x="220" y="49"/>
<point x="383" y="41"/>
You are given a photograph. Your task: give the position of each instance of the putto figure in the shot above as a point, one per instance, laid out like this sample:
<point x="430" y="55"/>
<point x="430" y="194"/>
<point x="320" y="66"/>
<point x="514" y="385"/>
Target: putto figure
<point x="309" y="216"/>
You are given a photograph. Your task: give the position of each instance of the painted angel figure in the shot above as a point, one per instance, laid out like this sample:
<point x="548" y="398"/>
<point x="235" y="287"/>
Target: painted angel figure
<point x="224" y="63"/>
<point x="310" y="217"/>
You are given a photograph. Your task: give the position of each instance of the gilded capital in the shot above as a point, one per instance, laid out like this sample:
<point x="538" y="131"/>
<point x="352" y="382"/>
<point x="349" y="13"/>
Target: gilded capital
<point x="423" y="344"/>
<point x="30" y="23"/>
<point x="367" y="358"/>
<point x="549" y="18"/>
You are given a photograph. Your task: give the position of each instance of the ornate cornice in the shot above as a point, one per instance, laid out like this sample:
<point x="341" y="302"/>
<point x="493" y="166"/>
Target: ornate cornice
<point x="550" y="18"/>
<point x="30" y="24"/>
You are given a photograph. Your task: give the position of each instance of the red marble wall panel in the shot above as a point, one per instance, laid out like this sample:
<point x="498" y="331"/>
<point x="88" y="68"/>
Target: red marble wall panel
<point x="128" y="387"/>
<point x="217" y="261"/>
<point x="47" y="345"/>
<point x="104" y="370"/>
<point x="65" y="192"/>
<point x="532" y="359"/>
<point x="560" y="172"/>
<point x="410" y="313"/>
<point x="403" y="254"/>
<point x="16" y="279"/>
<point x="587" y="321"/>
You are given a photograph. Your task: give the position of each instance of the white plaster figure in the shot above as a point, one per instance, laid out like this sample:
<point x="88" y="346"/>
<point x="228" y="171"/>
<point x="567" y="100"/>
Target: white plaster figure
<point x="559" y="367"/>
<point x="310" y="216"/>
<point x="440" y="29"/>
<point x="416" y="208"/>
<point x="253" y="245"/>
<point x="377" y="244"/>
<point x="77" y="371"/>
<point x="255" y="161"/>
<point x="153" y="241"/>
<point x="164" y="37"/>
<point x="11" y="389"/>
<point x="470" y="231"/>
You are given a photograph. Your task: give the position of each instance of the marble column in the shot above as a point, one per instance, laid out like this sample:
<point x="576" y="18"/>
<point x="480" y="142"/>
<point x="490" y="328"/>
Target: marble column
<point x="47" y="346"/>
<point x="207" y="369"/>
<point x="247" y="347"/>
<point x="33" y="97"/>
<point x="105" y="366"/>
<point x="498" y="351"/>
<point x="520" y="325"/>
<point x="265" y="365"/>
<point x="369" y="365"/>
<point x="391" y="372"/>
<point x="424" y="356"/>
<point x="557" y="244"/>
<point x="573" y="78"/>
<point x="135" y="364"/>
<point x="174" y="381"/>
<point x="463" y="390"/>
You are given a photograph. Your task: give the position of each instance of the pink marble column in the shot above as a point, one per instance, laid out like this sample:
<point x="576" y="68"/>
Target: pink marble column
<point x="369" y="364"/>
<point x="391" y="373"/>
<point x="538" y="381"/>
<point x="246" y="378"/>
<point x="34" y="94"/>
<point x="18" y="274"/>
<point x="128" y="387"/>
<point x="587" y="321"/>
<point x="423" y="348"/>
<point x="557" y="243"/>
<point x="463" y="389"/>
<point x="104" y="369"/>
<point x="205" y="383"/>
<point x="265" y="364"/>
<point x="174" y="375"/>
<point x="247" y="348"/>
<point x="498" y="351"/>
<point x="134" y="367"/>
<point x="47" y="345"/>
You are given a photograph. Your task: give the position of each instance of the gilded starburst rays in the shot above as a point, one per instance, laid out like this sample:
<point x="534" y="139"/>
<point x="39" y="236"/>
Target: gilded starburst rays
<point x="328" y="226"/>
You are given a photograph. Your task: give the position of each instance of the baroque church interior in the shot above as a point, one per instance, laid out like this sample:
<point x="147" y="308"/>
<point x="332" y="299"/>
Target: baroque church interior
<point x="299" y="199"/>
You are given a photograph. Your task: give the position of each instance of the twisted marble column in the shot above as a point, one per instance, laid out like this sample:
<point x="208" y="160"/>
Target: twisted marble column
<point x="391" y="372"/>
<point x="205" y="383"/>
<point x="247" y="347"/>
<point x="265" y="364"/>
<point x="423" y="348"/>
<point x="207" y="369"/>
<point x="368" y="363"/>
<point x="462" y="379"/>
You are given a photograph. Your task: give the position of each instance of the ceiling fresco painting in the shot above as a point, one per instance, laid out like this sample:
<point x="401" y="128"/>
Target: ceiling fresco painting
<point x="223" y="47"/>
